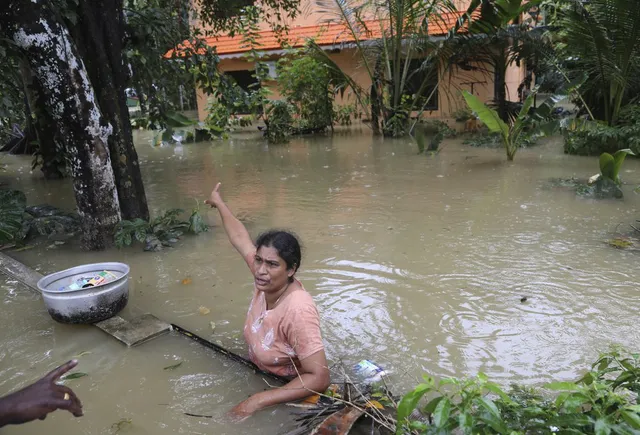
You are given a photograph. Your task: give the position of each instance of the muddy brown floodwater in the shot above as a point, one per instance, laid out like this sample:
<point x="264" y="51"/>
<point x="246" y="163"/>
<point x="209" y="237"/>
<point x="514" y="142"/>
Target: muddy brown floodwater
<point x="418" y="263"/>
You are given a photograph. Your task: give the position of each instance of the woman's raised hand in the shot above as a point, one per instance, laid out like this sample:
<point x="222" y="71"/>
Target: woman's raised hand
<point x="215" y="199"/>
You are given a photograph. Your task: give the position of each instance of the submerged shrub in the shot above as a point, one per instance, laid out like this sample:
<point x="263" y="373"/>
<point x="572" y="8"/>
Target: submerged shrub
<point x="603" y="401"/>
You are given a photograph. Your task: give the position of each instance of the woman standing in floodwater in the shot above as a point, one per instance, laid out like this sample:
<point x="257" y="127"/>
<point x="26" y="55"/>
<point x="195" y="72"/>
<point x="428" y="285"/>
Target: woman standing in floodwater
<point x="282" y="329"/>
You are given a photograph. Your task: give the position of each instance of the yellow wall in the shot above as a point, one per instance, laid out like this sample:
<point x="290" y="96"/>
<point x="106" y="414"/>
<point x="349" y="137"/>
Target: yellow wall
<point x="452" y="82"/>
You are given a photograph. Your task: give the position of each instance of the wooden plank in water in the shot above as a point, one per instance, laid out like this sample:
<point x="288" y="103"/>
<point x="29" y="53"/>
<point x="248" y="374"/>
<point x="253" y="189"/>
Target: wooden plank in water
<point x="20" y="272"/>
<point x="137" y="331"/>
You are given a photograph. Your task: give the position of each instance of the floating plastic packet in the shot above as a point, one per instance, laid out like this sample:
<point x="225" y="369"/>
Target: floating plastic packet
<point x="369" y="371"/>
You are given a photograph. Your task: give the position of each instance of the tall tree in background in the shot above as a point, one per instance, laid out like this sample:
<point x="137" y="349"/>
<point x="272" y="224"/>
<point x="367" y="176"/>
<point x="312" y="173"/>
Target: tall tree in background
<point x="75" y="50"/>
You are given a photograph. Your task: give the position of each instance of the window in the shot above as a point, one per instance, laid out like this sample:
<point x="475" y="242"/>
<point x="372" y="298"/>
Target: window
<point x="423" y="81"/>
<point x="229" y="8"/>
<point x="244" y="78"/>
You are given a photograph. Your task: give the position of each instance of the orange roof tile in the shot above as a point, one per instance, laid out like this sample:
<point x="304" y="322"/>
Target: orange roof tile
<point x="324" y="34"/>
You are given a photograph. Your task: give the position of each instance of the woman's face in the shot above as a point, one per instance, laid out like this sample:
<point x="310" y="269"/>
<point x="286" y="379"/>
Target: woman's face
<point x="270" y="271"/>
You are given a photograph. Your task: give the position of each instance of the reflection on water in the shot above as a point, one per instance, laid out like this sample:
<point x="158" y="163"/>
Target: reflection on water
<point x="416" y="262"/>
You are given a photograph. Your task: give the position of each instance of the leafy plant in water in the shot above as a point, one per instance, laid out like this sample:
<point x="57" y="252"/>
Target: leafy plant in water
<point x="429" y="134"/>
<point x="610" y="164"/>
<point x="164" y="230"/>
<point x="462" y="115"/>
<point x="345" y="114"/>
<point x="305" y="83"/>
<point x="510" y="135"/>
<point x="600" y="402"/>
<point x="12" y="205"/>
<point x="520" y="127"/>
<point x="279" y="121"/>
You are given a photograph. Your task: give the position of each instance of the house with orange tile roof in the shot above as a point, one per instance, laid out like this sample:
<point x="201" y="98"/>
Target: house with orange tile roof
<point x="339" y="44"/>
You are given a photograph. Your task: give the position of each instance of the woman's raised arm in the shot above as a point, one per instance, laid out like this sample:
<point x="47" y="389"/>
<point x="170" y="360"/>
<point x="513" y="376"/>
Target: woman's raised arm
<point x="236" y="232"/>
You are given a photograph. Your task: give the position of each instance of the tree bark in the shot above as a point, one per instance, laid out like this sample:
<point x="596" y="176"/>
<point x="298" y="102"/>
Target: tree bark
<point x="99" y="36"/>
<point x="50" y="150"/>
<point x="71" y="100"/>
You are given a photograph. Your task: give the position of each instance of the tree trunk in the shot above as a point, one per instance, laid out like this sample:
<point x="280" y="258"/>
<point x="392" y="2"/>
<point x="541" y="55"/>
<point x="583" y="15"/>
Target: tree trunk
<point x="50" y="153"/>
<point x="376" y="97"/>
<point x="99" y="37"/>
<point x="70" y="98"/>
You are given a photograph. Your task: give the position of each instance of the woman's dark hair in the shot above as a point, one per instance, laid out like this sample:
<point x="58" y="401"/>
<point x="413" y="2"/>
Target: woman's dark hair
<point x="286" y="244"/>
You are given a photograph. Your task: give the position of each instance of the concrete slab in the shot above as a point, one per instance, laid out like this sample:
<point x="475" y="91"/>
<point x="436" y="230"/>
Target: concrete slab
<point x="18" y="271"/>
<point x="134" y="332"/>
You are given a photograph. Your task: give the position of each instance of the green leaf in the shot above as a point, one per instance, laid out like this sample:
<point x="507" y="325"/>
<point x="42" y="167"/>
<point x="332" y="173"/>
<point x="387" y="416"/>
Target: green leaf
<point x="176" y="120"/>
<point x="421" y="140"/>
<point x="495" y="388"/>
<point x="632" y="418"/>
<point x="12" y="205"/>
<point x="196" y="223"/>
<point x="570" y="420"/>
<point x="441" y="413"/>
<point x="562" y="386"/>
<point x="489" y="406"/>
<point x="409" y="402"/>
<point x="173" y="367"/>
<point x="602" y="427"/>
<point x="431" y="406"/>
<point x="575" y="400"/>
<point x="487" y="115"/>
<point x="623" y="429"/>
<point x="618" y="158"/>
<point x="607" y="164"/>
<point x="466" y="422"/>
<point x="74" y="375"/>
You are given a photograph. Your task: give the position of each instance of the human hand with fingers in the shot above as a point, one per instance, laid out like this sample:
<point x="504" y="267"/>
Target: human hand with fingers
<point x="40" y="398"/>
<point x="215" y="199"/>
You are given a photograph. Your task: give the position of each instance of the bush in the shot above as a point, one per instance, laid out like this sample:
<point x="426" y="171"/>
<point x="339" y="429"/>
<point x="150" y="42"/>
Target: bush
<point x="603" y="401"/>
<point x="592" y="138"/>
<point x="344" y="115"/>
<point x="305" y="83"/>
<point x="279" y="121"/>
<point x="164" y="230"/>
<point x="462" y="115"/>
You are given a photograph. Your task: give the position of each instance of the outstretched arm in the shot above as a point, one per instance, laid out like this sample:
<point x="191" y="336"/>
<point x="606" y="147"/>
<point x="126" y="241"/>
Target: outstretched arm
<point x="39" y="399"/>
<point x="313" y="377"/>
<point x="236" y="232"/>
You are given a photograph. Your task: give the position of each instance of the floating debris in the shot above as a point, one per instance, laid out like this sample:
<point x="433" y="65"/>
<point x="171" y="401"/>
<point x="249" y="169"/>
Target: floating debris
<point x="122" y="424"/>
<point x="212" y="325"/>
<point x="204" y="310"/>
<point x="187" y="281"/>
<point x="173" y="367"/>
<point x="81" y="354"/>
<point x="75" y="375"/>
<point x="198" y="415"/>
<point x="620" y="243"/>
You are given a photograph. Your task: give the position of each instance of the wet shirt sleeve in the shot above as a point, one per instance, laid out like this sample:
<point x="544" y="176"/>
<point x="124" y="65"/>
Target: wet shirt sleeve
<point x="302" y="331"/>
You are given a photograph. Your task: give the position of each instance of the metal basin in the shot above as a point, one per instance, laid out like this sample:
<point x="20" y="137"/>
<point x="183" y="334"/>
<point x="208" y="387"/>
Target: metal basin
<point x="85" y="305"/>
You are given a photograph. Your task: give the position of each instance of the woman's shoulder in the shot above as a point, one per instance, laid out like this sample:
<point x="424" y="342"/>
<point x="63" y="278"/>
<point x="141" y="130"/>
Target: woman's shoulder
<point x="300" y="299"/>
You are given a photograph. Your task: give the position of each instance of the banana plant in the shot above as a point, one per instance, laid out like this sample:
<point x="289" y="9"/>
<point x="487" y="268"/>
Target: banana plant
<point x="510" y="134"/>
<point x="610" y="164"/>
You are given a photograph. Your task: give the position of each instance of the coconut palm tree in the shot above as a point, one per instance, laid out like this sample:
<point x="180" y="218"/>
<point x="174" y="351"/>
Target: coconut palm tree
<point x="400" y="52"/>
<point x="600" y="39"/>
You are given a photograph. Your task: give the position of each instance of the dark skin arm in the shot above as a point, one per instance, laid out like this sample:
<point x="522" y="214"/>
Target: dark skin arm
<point x="39" y="399"/>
